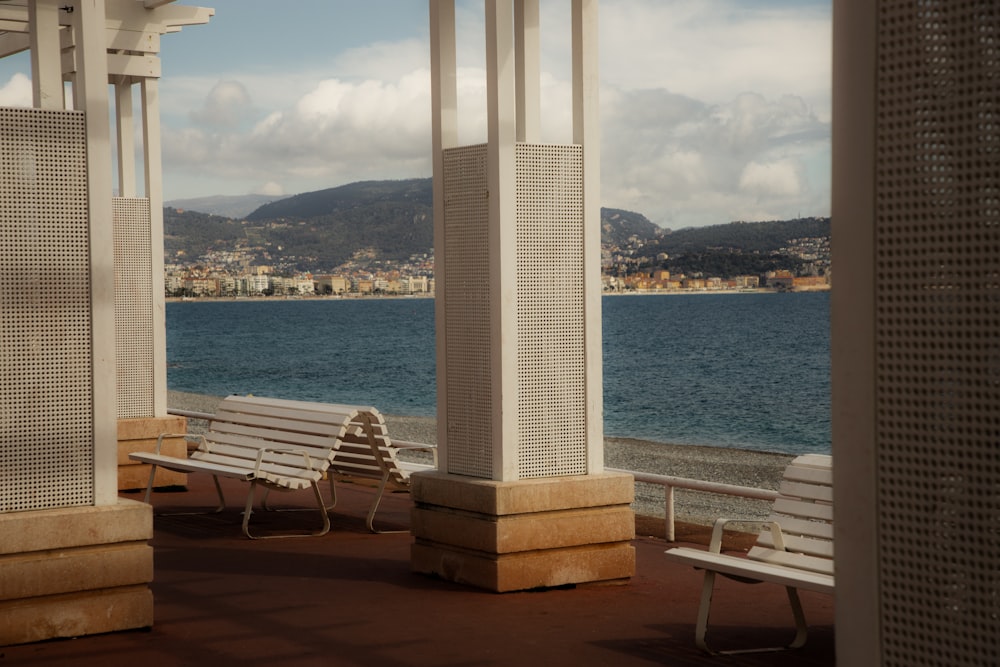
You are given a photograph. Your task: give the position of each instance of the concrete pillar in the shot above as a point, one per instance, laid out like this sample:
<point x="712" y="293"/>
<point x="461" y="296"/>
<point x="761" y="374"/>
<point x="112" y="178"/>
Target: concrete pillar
<point x="521" y="499"/>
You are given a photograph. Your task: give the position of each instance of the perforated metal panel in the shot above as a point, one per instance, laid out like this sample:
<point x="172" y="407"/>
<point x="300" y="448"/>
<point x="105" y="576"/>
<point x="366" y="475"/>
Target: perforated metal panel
<point x="46" y="435"/>
<point x="551" y="360"/>
<point x="466" y="286"/>
<point x="938" y="332"/>
<point x="133" y="307"/>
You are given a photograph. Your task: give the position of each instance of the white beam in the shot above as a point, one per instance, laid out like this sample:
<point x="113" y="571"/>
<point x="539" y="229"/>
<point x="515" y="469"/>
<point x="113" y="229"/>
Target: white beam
<point x="444" y="135"/>
<point x="46" y="70"/>
<point x="586" y="131"/>
<point x="12" y="42"/>
<point x="125" y="126"/>
<point x="528" y="75"/>
<point x="501" y="119"/>
<point x="91" y="96"/>
<point x="151" y="142"/>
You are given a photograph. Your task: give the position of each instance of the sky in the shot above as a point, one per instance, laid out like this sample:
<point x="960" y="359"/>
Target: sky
<point x="711" y="110"/>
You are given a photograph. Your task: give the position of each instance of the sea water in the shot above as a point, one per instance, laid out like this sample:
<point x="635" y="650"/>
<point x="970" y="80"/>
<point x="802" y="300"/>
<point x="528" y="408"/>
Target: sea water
<point x="726" y="370"/>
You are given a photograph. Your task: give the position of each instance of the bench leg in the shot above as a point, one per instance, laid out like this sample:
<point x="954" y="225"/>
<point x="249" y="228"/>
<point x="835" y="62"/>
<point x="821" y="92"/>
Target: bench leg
<point x="374" y="507"/>
<point x="218" y="489"/>
<point x="707" y="587"/>
<point x="801" y="629"/>
<point x="704" y="608"/>
<point x="248" y="511"/>
<point x="149" y="486"/>
<point x="333" y="499"/>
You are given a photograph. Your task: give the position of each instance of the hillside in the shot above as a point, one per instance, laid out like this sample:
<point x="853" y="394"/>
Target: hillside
<point x="227" y="206"/>
<point x="743" y="248"/>
<point x="318" y="231"/>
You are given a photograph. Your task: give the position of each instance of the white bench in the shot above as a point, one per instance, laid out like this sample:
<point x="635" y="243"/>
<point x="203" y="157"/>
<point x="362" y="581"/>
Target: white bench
<point x="794" y="548"/>
<point x="279" y="444"/>
<point x="368" y="452"/>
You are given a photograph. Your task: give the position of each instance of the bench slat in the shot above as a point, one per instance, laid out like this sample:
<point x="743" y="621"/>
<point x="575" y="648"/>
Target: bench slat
<point x="811" y="475"/>
<point x="821" y="530"/>
<point x="247" y="448"/>
<point x="791" y="560"/>
<point x="799" y="508"/>
<point x="193" y="465"/>
<point x="806" y="491"/>
<point x="794" y="543"/>
<point x="288" y="428"/>
<point x="266" y="468"/>
<point x="744" y="567"/>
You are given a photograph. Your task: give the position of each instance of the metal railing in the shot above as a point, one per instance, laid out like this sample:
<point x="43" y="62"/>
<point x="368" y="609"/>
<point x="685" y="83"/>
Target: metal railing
<point x="668" y="482"/>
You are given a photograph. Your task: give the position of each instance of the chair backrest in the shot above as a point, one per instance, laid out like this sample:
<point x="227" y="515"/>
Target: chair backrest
<point x="804" y="510"/>
<point x="243" y="425"/>
<point x="366" y="450"/>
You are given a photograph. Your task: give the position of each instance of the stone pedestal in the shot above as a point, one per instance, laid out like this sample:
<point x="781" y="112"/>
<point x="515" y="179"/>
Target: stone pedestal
<point x="75" y="571"/>
<point x="139" y="435"/>
<point x="527" y="534"/>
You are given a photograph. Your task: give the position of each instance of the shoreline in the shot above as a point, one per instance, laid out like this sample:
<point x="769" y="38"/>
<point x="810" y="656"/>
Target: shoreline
<point x="355" y="296"/>
<point x="742" y="467"/>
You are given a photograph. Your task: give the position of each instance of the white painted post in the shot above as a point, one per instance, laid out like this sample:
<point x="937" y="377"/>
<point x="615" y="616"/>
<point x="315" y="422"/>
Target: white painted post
<point x="126" y="138"/>
<point x="46" y="65"/>
<point x="501" y="119"/>
<point x="444" y="134"/>
<point x="529" y="109"/>
<point x="90" y="93"/>
<point x="152" y="149"/>
<point x="586" y="132"/>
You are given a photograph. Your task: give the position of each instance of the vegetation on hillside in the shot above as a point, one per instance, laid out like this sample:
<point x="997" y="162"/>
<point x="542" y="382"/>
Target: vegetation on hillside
<point x="392" y="221"/>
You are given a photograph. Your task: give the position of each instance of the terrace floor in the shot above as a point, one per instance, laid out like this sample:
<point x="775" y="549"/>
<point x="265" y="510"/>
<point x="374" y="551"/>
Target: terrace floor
<point x="349" y="598"/>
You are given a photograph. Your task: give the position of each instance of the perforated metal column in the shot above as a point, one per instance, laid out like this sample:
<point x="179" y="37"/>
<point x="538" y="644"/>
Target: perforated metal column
<point x="468" y="328"/>
<point x="551" y="355"/>
<point x="46" y="439"/>
<point x="938" y="331"/>
<point x="133" y="307"/>
<point x="550" y="315"/>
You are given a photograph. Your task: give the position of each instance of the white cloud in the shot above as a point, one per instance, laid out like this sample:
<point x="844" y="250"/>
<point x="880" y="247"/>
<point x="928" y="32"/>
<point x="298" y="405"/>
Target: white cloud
<point x="270" y="188"/>
<point x="683" y="162"/>
<point x="782" y="179"/>
<point x="337" y="132"/>
<point x="16" y="92"/>
<point x="712" y="110"/>
<point x="227" y="104"/>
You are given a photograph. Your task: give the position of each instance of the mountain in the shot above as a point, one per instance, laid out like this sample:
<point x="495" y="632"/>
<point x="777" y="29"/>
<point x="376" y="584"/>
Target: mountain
<point x="743" y="236"/>
<point x="372" y="195"/>
<point x="743" y="248"/>
<point x="391" y="221"/>
<point x="229" y="206"/>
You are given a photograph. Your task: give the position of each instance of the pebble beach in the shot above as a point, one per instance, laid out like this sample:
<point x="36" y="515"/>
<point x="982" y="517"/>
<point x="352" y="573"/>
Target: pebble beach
<point x="732" y="466"/>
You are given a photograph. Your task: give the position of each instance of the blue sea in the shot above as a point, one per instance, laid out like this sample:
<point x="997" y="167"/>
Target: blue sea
<point x="727" y="370"/>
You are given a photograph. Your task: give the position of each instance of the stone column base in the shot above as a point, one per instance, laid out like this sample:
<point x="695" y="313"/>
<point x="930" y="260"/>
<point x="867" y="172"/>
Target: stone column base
<point x="75" y="571"/>
<point x="139" y="435"/>
<point x="534" y="533"/>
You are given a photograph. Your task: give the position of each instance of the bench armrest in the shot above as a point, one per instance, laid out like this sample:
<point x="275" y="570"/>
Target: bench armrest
<point x="187" y="436"/>
<point x="417" y="447"/>
<point x="281" y="450"/>
<point x="715" y="545"/>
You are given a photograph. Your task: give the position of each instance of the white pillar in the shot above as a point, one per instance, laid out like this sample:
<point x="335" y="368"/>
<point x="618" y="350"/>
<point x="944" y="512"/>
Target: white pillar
<point x="519" y="402"/>
<point x="126" y="138"/>
<point x="444" y="135"/>
<point x="501" y="122"/>
<point x="852" y="339"/>
<point x="152" y="148"/>
<point x="586" y="132"/>
<point x="46" y="66"/>
<point x="90" y="92"/>
<point x="529" y="109"/>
